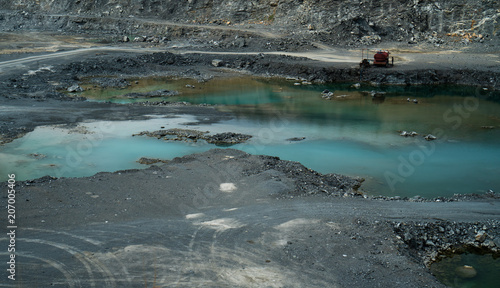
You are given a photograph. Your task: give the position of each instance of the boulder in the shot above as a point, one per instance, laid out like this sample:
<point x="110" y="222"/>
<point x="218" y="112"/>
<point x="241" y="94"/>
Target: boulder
<point x="466" y="272"/>
<point x="327" y="94"/>
<point x="481" y="236"/>
<point x="75" y="88"/>
<point x="408" y="134"/>
<point x="296" y="139"/>
<point x="369" y="40"/>
<point x="227" y="138"/>
<point x="430" y="137"/>
<point x="217" y="63"/>
<point x="240" y="42"/>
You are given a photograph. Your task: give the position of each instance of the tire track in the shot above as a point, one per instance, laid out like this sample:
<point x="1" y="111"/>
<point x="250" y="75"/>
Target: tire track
<point x="80" y="255"/>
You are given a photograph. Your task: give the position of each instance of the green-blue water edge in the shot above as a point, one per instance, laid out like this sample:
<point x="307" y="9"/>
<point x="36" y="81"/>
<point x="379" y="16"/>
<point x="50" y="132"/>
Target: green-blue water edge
<point x="353" y="133"/>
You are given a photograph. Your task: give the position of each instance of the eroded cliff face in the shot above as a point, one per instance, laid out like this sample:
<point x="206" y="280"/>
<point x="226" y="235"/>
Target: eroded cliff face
<point x="335" y="21"/>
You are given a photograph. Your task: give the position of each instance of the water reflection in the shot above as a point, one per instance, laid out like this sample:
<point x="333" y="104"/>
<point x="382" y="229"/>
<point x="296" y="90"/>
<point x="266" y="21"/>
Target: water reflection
<point x="468" y="270"/>
<point x="353" y="133"/>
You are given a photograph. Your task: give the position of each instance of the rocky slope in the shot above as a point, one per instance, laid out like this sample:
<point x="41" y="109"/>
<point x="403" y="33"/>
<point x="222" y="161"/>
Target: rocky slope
<point x="332" y="21"/>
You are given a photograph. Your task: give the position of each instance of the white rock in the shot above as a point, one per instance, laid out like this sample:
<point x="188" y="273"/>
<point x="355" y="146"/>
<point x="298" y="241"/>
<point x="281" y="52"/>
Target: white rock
<point x="217" y="63"/>
<point x="75" y="88"/>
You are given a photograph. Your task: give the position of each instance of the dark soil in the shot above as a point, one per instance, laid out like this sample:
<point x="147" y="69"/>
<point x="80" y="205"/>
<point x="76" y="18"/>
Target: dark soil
<point x="252" y="215"/>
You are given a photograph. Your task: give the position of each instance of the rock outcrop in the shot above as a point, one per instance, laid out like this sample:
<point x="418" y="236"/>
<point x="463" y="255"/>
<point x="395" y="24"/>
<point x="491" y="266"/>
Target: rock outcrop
<point x="331" y="21"/>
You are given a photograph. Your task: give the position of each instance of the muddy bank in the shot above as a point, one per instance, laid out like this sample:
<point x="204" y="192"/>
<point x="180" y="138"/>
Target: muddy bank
<point x="46" y="83"/>
<point x="254" y="217"/>
<point x="20" y="116"/>
<point x="41" y="86"/>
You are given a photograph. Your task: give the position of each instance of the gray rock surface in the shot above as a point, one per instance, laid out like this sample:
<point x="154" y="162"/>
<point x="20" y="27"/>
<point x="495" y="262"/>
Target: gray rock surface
<point x="334" y="22"/>
<point x="74" y="88"/>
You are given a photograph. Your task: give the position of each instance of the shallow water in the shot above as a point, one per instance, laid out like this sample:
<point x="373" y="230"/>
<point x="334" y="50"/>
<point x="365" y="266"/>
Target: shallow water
<point x="485" y="266"/>
<point x="352" y="134"/>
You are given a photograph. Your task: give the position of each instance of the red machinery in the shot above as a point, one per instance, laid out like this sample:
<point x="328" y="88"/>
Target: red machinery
<point x="381" y="58"/>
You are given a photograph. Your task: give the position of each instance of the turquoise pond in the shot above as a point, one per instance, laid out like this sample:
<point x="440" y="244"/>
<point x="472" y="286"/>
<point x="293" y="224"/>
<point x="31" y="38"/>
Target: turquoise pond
<point x="352" y="133"/>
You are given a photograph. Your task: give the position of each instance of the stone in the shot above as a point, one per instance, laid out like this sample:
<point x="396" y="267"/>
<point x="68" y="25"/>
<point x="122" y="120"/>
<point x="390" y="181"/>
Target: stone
<point x="327" y="96"/>
<point x="481" y="236"/>
<point x="149" y="161"/>
<point x="430" y="137"/>
<point x="357" y="85"/>
<point x="125" y="39"/>
<point x="296" y="139"/>
<point x="240" y="43"/>
<point x="217" y="63"/>
<point x="466" y="272"/>
<point x="496" y="241"/>
<point x="408" y="134"/>
<point x="227" y="138"/>
<point x="369" y="40"/>
<point x="490" y="244"/>
<point x="37" y="155"/>
<point x="75" y="88"/>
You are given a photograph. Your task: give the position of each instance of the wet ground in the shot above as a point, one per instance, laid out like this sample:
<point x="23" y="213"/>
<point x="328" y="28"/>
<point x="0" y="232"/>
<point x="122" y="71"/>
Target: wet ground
<point x="352" y="133"/>
<point x="214" y="220"/>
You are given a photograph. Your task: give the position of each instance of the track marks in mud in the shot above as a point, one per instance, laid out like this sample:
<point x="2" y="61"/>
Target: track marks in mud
<point x="52" y="257"/>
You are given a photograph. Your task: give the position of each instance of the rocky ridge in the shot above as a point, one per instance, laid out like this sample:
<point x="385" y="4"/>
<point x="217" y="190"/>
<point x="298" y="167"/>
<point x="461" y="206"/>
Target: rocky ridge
<point x="332" y="22"/>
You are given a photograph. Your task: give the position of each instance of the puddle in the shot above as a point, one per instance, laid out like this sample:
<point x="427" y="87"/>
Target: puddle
<point x="232" y="91"/>
<point x="468" y="271"/>
<point x="353" y="134"/>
